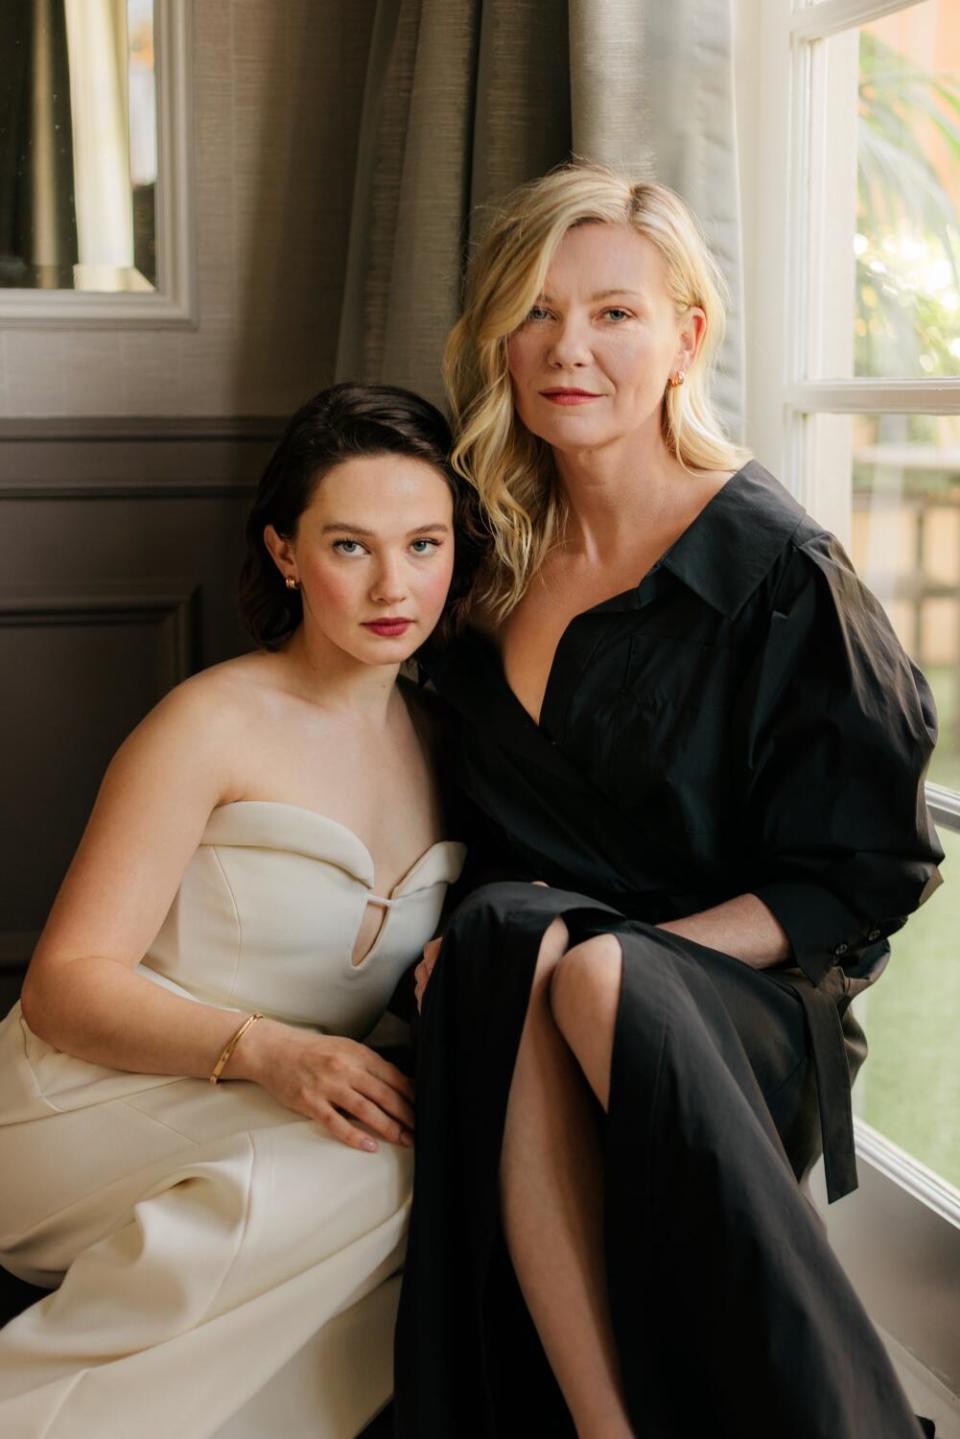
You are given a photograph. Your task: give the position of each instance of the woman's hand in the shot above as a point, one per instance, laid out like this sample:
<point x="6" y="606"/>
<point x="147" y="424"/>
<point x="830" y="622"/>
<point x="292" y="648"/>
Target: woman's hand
<point x="423" y="971"/>
<point x="330" y="1079"/>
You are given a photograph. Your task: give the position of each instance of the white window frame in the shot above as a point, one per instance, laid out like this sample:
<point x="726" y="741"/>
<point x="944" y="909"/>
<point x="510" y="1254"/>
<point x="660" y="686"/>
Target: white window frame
<point x="898" y="1235"/>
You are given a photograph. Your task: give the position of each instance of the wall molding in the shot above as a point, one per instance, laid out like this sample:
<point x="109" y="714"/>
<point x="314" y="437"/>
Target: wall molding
<point x="144" y="457"/>
<point x="44" y="428"/>
<point x="112" y="605"/>
<point x="132" y="488"/>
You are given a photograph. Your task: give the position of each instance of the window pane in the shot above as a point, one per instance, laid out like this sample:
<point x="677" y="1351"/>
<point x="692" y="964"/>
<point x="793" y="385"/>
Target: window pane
<point x="905" y="543"/>
<point x="909" y="1088"/>
<point x="894" y="177"/>
<point x="902" y="473"/>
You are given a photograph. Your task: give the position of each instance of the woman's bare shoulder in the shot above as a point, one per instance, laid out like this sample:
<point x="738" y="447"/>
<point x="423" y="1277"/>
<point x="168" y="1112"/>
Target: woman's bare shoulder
<point x="232" y="686"/>
<point x="203" y="717"/>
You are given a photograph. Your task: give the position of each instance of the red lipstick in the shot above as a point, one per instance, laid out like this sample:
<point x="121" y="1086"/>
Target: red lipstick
<point x="390" y="627"/>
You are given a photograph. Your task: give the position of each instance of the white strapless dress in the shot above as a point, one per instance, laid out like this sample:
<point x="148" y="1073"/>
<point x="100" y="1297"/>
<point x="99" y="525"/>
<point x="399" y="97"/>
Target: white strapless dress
<point x="227" y="1268"/>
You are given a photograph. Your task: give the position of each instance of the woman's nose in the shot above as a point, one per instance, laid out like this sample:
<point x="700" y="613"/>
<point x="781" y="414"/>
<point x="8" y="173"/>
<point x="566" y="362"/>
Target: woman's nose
<point x="388" y="585"/>
<point x="569" y="344"/>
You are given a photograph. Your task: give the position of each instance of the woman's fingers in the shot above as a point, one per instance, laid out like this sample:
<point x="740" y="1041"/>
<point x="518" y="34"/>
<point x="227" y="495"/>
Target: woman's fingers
<point x="389" y="1074"/>
<point x="340" y="1128"/>
<point x="335" y="1110"/>
<point x="338" y="1124"/>
<point x="389" y="1101"/>
<point x="321" y="1076"/>
<point x="423" y="971"/>
<point x="374" y="1118"/>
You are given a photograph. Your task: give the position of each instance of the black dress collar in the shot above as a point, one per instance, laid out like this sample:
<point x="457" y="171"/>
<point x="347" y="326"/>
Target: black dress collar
<point x="723" y="556"/>
<point x="730" y="548"/>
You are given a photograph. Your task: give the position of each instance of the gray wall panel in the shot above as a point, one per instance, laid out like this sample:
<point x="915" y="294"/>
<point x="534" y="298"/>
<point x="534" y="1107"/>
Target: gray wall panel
<point x="120" y="547"/>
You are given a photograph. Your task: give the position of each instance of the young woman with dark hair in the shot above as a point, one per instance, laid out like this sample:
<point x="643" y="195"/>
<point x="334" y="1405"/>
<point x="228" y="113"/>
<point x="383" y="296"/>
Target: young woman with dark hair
<point x="265" y="858"/>
<point x="341" y="424"/>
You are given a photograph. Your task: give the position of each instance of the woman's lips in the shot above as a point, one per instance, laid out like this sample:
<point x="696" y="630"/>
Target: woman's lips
<point x="568" y="397"/>
<point x="389" y="627"/>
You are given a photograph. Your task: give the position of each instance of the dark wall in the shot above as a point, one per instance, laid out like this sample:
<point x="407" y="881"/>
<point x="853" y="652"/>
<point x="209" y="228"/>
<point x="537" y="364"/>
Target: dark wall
<point x="120" y="544"/>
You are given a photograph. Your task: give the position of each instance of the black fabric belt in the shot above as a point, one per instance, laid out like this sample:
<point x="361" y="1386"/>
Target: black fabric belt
<point x="821" y="1008"/>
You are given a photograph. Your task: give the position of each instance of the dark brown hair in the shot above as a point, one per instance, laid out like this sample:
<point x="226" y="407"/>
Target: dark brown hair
<point x="341" y="423"/>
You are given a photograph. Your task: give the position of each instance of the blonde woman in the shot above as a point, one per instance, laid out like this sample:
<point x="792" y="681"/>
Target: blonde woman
<point x="694" y="752"/>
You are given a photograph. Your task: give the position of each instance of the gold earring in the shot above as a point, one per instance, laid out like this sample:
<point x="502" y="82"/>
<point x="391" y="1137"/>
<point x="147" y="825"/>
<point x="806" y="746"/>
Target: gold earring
<point x="292" y="583"/>
<point x="677" y="379"/>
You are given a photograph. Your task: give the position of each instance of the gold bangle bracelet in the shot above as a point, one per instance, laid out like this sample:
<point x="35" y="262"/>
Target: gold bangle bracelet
<point x="231" y="1045"/>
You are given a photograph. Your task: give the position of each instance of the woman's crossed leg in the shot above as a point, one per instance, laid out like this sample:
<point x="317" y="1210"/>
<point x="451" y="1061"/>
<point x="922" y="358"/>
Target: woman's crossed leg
<point x="552" y="1167"/>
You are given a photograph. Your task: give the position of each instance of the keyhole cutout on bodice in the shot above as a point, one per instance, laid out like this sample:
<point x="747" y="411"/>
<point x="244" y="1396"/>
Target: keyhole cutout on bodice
<point x="371" y="927"/>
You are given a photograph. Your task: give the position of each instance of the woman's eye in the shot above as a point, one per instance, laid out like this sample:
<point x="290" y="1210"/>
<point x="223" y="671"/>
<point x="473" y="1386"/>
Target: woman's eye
<point x="348" y="547"/>
<point x="424" y="547"/>
<point x="617" y="314"/>
<point x="537" y="312"/>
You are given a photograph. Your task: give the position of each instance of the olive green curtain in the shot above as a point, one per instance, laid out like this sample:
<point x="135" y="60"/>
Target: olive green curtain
<point x="466" y="99"/>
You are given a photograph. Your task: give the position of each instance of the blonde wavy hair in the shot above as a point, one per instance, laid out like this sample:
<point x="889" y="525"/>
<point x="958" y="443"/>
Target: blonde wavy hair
<point x="511" y="469"/>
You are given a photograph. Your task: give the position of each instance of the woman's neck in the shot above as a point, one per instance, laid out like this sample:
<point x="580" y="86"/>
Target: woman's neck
<point x="619" y="490"/>
<point x="329" y="677"/>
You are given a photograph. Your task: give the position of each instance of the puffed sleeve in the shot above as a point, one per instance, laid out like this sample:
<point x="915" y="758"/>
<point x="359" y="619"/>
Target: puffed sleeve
<point x="842" y="729"/>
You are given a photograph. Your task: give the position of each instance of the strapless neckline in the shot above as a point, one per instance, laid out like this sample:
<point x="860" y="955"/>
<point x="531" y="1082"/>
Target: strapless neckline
<point x="314" y="820"/>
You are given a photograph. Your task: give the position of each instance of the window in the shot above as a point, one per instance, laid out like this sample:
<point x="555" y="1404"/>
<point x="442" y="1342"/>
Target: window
<point x="851" y="155"/>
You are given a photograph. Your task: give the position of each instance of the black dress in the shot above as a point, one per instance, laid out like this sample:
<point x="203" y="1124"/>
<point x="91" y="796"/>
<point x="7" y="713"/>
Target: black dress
<point x="744" y="721"/>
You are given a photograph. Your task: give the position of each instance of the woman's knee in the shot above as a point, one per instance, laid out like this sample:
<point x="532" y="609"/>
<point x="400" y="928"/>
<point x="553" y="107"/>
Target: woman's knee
<point x="584" y="994"/>
<point x="552" y="948"/>
<point x="585" y="983"/>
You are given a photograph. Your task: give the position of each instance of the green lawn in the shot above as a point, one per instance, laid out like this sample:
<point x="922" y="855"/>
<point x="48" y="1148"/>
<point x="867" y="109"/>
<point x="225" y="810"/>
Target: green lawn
<point x="909" y="1088"/>
<point x="945" y="766"/>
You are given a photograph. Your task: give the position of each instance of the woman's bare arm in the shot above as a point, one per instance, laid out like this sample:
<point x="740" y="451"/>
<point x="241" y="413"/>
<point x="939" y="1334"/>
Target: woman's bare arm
<point x="82" y="993"/>
<point x="743" y="927"/>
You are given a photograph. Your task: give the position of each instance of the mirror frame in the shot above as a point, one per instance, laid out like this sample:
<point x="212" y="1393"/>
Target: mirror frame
<point x="173" y="304"/>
